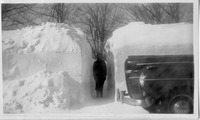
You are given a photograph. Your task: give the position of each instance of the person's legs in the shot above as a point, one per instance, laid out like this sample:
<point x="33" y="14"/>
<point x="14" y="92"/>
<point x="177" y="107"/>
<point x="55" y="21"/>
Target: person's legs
<point x="101" y="92"/>
<point x="101" y="88"/>
<point x="97" y="93"/>
<point x="97" y="89"/>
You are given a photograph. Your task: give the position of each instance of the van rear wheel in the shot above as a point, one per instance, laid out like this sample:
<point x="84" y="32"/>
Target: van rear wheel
<point x="180" y="103"/>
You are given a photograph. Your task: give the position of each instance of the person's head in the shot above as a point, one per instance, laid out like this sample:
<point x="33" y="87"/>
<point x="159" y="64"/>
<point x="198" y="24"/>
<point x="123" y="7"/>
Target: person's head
<point x="99" y="56"/>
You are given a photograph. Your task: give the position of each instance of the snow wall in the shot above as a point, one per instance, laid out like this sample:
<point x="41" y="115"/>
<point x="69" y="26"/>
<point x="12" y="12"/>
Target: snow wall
<point x="138" y="38"/>
<point x="45" y="66"/>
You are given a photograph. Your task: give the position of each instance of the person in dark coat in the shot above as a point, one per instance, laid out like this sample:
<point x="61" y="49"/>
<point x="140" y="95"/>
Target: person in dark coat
<point x="99" y="73"/>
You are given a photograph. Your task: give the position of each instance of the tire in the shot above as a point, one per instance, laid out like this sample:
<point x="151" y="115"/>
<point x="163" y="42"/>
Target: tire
<point x="181" y="104"/>
<point x="177" y="101"/>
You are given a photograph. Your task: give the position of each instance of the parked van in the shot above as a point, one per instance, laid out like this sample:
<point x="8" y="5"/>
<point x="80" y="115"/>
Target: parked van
<point x="162" y="83"/>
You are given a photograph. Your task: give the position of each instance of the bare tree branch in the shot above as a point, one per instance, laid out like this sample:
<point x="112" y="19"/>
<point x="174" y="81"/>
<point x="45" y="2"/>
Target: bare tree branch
<point x="98" y="21"/>
<point x="154" y="13"/>
<point x="13" y="14"/>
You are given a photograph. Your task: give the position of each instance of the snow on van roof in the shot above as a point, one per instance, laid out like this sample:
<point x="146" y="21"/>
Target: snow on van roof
<point x="137" y="35"/>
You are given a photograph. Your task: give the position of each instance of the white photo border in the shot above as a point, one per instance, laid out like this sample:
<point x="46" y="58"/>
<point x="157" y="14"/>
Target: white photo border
<point x="196" y="33"/>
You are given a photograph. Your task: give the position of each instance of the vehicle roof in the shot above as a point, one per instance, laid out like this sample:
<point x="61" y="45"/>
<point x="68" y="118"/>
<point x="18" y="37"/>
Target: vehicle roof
<point x="138" y="62"/>
<point x="161" y="58"/>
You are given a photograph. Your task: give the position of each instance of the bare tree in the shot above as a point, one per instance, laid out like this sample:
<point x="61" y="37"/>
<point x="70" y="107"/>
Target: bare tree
<point x="154" y="13"/>
<point x="62" y="13"/>
<point x="21" y="15"/>
<point x="16" y="15"/>
<point x="98" y="21"/>
<point x="57" y="12"/>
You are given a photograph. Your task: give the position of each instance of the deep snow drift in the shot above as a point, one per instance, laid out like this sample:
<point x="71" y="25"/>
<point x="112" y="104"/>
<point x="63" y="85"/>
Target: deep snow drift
<point x="45" y="66"/>
<point x="138" y="38"/>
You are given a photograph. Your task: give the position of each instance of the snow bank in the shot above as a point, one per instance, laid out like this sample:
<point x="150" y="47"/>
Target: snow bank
<point x="42" y="90"/>
<point x="48" y="37"/>
<point x="57" y="48"/>
<point x="138" y="38"/>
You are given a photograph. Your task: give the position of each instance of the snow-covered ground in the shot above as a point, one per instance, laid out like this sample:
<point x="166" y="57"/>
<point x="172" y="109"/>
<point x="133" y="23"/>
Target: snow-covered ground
<point x="48" y="68"/>
<point x="111" y="108"/>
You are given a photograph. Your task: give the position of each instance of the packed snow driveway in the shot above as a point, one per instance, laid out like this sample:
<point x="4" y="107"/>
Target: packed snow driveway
<point x="102" y="108"/>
